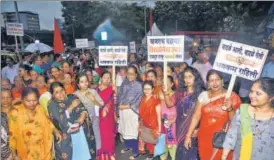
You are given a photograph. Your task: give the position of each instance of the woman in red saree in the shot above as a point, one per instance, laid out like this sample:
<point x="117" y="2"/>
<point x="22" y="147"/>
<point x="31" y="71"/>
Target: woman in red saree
<point x="150" y="117"/>
<point x="213" y="111"/>
<point x="107" y="121"/>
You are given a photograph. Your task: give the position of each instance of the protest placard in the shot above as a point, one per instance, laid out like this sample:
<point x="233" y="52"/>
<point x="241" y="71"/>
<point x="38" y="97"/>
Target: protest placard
<point x="109" y="55"/>
<point x="240" y="59"/>
<point x="15" y="29"/>
<point x="81" y="43"/>
<point x="132" y="47"/>
<point x="169" y="48"/>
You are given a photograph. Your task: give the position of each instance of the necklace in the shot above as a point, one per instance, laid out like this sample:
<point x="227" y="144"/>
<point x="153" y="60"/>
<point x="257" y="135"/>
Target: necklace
<point x="257" y="132"/>
<point x="211" y="109"/>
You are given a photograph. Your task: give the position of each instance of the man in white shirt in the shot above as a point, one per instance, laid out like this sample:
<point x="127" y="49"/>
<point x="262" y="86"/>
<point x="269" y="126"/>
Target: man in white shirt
<point x="10" y="71"/>
<point x="202" y="65"/>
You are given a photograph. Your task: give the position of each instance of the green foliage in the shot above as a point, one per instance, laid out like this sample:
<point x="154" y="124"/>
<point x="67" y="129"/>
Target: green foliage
<point x="85" y="17"/>
<point x="209" y="15"/>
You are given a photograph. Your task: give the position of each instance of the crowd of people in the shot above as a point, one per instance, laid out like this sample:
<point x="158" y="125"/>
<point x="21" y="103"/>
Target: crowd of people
<point x="68" y="108"/>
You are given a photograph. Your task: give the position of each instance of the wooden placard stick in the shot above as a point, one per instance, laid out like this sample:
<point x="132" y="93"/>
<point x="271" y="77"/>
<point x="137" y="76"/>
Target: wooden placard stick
<point x="165" y="69"/>
<point x="16" y="45"/>
<point x="165" y="74"/>
<point x="114" y="72"/>
<point x="230" y="86"/>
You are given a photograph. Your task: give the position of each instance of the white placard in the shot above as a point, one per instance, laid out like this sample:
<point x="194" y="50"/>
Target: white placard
<point x="15" y="29"/>
<point x="104" y="36"/>
<point x="132" y="47"/>
<point x="165" y="48"/>
<point x="81" y="43"/>
<point x="240" y="59"/>
<point x="110" y="54"/>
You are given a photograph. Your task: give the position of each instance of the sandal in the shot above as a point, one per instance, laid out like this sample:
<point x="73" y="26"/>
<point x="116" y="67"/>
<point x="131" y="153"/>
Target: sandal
<point x="135" y="156"/>
<point x="125" y="150"/>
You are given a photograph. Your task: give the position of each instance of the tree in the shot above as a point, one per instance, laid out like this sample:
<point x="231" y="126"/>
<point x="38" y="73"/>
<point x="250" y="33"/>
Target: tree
<point x="190" y="16"/>
<point x="209" y="16"/>
<point x="85" y="17"/>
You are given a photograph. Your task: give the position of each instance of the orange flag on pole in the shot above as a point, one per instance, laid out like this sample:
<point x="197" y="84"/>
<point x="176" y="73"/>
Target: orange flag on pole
<point x="58" y="45"/>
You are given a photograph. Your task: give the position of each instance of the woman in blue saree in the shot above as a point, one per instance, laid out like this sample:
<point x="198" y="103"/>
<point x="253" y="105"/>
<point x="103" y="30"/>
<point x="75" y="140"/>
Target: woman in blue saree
<point x="190" y="86"/>
<point x="69" y="116"/>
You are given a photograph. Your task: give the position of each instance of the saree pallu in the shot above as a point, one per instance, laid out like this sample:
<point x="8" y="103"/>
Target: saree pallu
<point x="213" y="120"/>
<point x="80" y="146"/>
<point x="185" y="109"/>
<point x="107" y="125"/>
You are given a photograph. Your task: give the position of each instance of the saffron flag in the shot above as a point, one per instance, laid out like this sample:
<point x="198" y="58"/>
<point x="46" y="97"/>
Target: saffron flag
<point x="58" y="45"/>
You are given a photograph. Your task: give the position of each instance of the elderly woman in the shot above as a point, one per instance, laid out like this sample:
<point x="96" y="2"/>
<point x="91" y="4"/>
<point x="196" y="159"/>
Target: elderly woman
<point x="6" y="100"/>
<point x="130" y="94"/>
<point x="70" y="116"/>
<point x="251" y="132"/>
<point x="212" y="112"/>
<point x="31" y="132"/>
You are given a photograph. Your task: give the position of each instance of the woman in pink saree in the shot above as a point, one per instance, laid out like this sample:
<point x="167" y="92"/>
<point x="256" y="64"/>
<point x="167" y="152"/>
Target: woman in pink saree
<point x="107" y="121"/>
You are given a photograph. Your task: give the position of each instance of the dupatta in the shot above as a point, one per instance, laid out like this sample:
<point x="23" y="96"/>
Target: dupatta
<point x="246" y="131"/>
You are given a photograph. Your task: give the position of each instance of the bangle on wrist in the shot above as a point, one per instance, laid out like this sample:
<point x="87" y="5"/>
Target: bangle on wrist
<point x="188" y="136"/>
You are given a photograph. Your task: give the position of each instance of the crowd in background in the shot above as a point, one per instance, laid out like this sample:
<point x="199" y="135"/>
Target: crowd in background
<point x="66" y="107"/>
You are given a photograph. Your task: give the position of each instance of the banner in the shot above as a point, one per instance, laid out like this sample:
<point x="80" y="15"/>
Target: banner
<point x="240" y="59"/>
<point x="15" y="29"/>
<point x="81" y="43"/>
<point x="132" y="47"/>
<point x="110" y="54"/>
<point x="169" y="48"/>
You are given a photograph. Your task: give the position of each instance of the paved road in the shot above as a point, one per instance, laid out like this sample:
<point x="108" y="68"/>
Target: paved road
<point x="126" y="156"/>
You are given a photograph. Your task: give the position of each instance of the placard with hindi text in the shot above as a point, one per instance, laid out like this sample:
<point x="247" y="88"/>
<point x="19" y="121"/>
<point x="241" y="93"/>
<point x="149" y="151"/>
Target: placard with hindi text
<point x="240" y="59"/>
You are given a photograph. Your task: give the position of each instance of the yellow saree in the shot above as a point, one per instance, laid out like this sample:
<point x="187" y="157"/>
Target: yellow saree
<point x="31" y="134"/>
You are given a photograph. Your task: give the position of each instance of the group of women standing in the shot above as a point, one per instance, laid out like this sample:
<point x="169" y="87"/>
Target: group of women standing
<point x="68" y="126"/>
<point x="82" y="125"/>
<point x="191" y="115"/>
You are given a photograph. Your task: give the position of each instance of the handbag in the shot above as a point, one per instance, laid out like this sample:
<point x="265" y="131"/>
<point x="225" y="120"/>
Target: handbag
<point x="147" y="136"/>
<point x="219" y="137"/>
